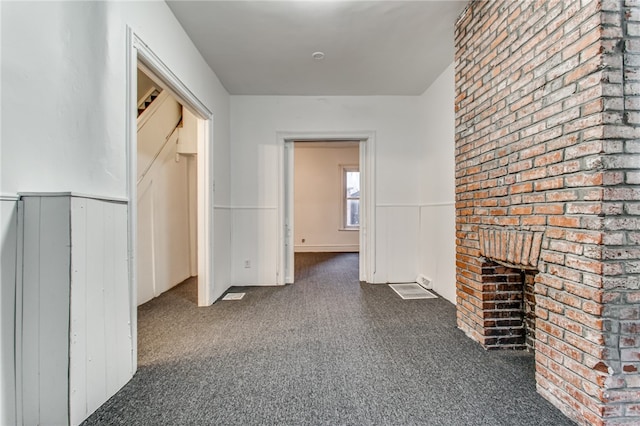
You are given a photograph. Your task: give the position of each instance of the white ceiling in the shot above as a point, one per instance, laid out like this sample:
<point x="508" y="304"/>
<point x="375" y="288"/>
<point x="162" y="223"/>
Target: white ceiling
<point x="371" y="47"/>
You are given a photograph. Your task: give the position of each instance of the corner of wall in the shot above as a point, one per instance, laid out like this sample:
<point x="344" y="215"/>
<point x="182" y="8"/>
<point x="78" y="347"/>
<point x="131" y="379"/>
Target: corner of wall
<point x="437" y="212"/>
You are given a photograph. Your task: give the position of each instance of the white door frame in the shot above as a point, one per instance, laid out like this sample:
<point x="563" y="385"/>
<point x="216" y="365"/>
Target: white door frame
<point x="367" y="199"/>
<point x="139" y="54"/>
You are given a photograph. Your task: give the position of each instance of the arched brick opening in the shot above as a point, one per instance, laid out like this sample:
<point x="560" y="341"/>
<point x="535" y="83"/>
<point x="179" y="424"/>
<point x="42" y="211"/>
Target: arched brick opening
<point x="502" y="294"/>
<point x="508" y="306"/>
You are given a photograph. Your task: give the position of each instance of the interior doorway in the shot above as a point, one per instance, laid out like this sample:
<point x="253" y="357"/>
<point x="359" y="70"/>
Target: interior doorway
<point x="365" y="143"/>
<point x="326" y="199"/>
<point x="167" y="136"/>
<point x="140" y="56"/>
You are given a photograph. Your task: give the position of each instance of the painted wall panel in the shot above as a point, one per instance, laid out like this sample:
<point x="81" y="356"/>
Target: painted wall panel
<point x="53" y="317"/>
<point x="171" y="221"/>
<point x="8" y="253"/>
<point x="437" y="248"/>
<point x="125" y="361"/>
<point x="318" y="192"/>
<point x="437" y="234"/>
<point x="46" y="292"/>
<point x="192" y="193"/>
<point x="110" y="301"/>
<point x="222" y="254"/>
<point x="164" y="218"/>
<point x="75" y="307"/>
<point x="402" y="225"/>
<point x="98" y="354"/>
<point x="256" y="162"/>
<point x="257" y="226"/>
<point x="30" y="330"/>
<point x="90" y="241"/>
<point x="80" y="339"/>
<point x="146" y="255"/>
<point x="397" y="238"/>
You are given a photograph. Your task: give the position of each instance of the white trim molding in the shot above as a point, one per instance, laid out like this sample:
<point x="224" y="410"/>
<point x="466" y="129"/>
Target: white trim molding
<point x="148" y="61"/>
<point x="118" y="200"/>
<point x="254" y="207"/>
<point x="328" y="248"/>
<point x="441" y="204"/>
<point x="403" y="206"/>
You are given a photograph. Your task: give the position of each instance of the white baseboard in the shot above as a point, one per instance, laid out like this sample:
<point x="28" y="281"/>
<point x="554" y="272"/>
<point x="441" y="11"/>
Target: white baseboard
<point x="324" y="248"/>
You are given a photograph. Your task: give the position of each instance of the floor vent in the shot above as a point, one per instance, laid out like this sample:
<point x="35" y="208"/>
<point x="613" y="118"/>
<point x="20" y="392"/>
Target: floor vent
<point x="412" y="291"/>
<point x="233" y="296"/>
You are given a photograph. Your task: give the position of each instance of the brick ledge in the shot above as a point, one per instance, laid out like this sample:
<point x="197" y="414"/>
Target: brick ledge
<point x="518" y="248"/>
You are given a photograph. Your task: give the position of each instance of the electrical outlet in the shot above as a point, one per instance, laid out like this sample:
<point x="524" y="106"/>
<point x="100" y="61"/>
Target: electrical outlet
<point x="247" y="264"/>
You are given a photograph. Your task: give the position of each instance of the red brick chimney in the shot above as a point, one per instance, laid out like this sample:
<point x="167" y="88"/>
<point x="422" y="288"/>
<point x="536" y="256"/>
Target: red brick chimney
<point x="548" y="196"/>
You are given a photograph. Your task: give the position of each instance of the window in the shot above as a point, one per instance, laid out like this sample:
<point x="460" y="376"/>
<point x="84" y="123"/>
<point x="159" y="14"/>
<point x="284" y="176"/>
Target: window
<point x="351" y="198"/>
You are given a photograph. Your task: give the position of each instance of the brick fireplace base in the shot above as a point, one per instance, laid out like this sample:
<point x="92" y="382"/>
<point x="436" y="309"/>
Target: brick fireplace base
<point x="509" y="259"/>
<point x="496" y="300"/>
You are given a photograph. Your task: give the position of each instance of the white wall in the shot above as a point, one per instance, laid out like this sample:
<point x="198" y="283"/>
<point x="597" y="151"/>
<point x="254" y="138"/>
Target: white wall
<point x="256" y="164"/>
<point x="415" y="209"/>
<point x="164" y="204"/>
<point x="64" y="95"/>
<point x="437" y="213"/>
<point x="76" y="73"/>
<point x="318" y="192"/>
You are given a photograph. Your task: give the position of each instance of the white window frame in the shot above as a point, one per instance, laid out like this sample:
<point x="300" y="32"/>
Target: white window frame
<point x="344" y="169"/>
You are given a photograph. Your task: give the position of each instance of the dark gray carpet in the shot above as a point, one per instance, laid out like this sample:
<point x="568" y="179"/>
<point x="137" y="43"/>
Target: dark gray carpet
<point x="327" y="350"/>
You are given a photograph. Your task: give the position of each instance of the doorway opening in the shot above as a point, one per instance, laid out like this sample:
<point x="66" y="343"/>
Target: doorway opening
<point x="140" y="56"/>
<point x="167" y="149"/>
<point x="326" y="197"/>
<point x="327" y="202"/>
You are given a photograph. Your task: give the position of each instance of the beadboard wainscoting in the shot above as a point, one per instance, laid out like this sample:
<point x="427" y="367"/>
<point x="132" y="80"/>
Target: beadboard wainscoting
<point x="76" y="337"/>
<point x="437" y="247"/>
<point x="8" y="278"/>
<point x="254" y="246"/>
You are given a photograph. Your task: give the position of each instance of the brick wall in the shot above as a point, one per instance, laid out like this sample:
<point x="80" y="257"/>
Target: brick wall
<point x="548" y="145"/>
<point x="529" y="310"/>
<point x="621" y="209"/>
